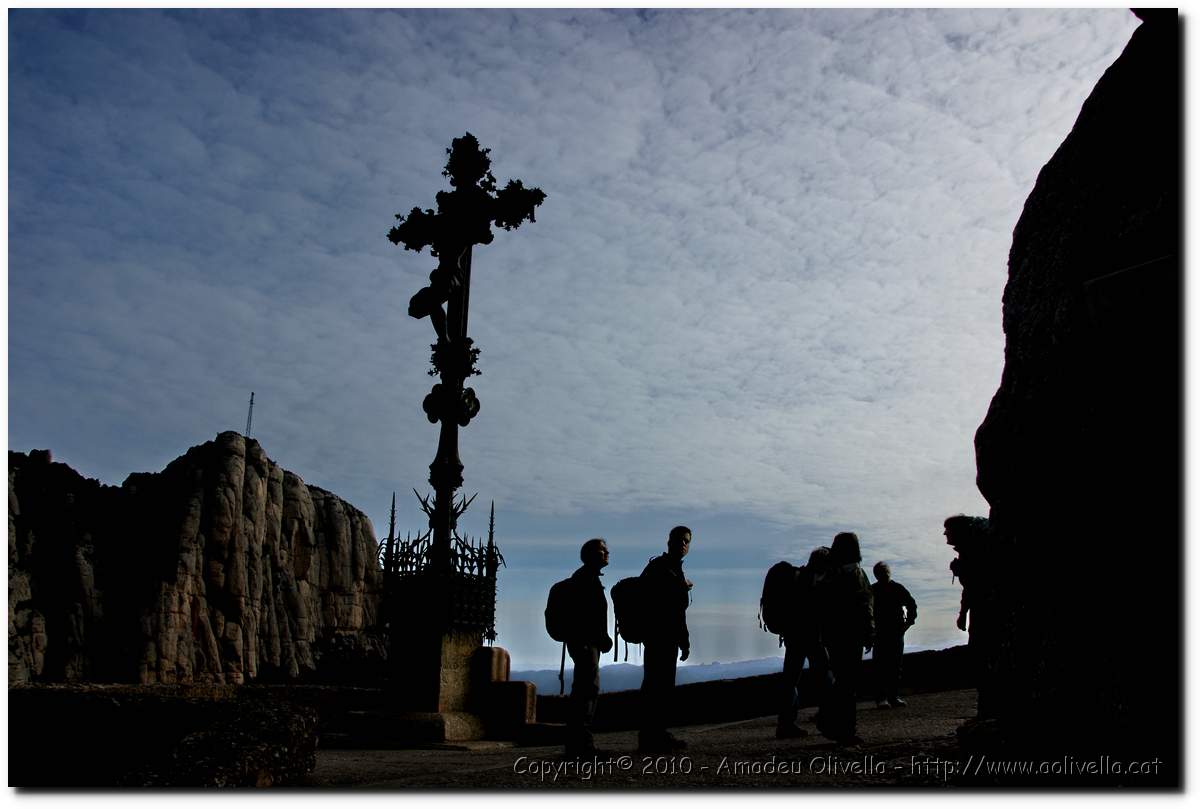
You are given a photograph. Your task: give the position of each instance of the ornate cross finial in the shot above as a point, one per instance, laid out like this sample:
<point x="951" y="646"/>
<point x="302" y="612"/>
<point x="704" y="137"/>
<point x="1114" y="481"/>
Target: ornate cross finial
<point x="464" y="218"/>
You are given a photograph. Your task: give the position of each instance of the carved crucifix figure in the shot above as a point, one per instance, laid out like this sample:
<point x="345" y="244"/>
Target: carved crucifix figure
<point x="448" y="278"/>
<point x="464" y="218"/>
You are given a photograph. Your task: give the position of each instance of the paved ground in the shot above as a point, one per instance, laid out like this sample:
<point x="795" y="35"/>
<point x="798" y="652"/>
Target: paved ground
<point x="902" y="747"/>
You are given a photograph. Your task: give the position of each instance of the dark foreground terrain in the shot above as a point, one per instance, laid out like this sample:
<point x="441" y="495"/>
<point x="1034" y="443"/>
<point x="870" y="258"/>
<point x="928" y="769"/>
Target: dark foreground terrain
<point x="903" y="747"/>
<point x="912" y="747"/>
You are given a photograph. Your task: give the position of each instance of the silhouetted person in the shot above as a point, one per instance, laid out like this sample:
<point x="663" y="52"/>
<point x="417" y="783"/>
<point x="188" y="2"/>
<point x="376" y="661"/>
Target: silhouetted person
<point x="967" y="536"/>
<point x="803" y="642"/>
<point x="589" y="642"/>
<point x="847" y="629"/>
<point x="976" y="613"/>
<point x="666" y="641"/>
<point x="895" y="612"/>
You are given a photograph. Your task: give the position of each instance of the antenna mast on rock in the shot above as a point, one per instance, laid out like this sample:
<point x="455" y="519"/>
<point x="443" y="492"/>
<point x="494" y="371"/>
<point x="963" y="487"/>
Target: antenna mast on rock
<point x="250" y="414"/>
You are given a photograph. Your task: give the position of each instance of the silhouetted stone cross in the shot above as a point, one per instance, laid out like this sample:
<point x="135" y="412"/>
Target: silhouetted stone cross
<point x="464" y="218"/>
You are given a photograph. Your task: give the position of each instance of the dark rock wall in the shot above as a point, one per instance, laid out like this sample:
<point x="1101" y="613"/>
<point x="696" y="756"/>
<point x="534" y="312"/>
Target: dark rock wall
<point x="222" y="568"/>
<point x="1080" y="453"/>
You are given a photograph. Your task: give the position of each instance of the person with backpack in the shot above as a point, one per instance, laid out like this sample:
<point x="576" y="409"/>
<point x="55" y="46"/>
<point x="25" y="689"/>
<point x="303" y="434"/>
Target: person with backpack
<point x="666" y="640"/>
<point x="895" y="612"/>
<point x="970" y="538"/>
<point x="847" y="625"/>
<point x="801" y="636"/>
<point x="577" y="614"/>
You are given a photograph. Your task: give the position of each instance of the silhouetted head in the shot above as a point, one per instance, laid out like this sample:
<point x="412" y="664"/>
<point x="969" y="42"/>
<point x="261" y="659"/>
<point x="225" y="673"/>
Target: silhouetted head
<point x="678" y="541"/>
<point x="594" y="553"/>
<point x="961" y="529"/>
<point x="845" y="549"/>
<point x="882" y="572"/>
<point x="819" y="558"/>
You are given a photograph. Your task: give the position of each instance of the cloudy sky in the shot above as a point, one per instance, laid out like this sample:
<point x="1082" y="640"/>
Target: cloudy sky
<point x="762" y="297"/>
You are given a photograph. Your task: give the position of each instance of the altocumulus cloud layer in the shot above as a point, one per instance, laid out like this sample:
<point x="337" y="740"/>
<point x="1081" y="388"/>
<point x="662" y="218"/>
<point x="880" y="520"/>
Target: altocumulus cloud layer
<point x="762" y="297"/>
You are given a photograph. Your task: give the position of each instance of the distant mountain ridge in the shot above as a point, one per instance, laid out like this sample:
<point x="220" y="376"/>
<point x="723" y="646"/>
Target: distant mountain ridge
<point x="628" y="676"/>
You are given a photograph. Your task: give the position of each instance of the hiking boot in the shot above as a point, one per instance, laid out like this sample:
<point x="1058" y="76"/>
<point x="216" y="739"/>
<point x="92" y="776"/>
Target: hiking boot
<point x="896" y="702"/>
<point x="829" y="729"/>
<point x="790" y="731"/>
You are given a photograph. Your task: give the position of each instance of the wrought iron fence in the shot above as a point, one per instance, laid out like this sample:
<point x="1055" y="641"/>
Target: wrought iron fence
<point x="457" y="590"/>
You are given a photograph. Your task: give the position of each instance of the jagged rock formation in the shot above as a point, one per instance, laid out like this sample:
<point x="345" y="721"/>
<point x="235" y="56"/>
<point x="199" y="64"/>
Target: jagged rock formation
<point x="222" y="568"/>
<point x="1079" y="455"/>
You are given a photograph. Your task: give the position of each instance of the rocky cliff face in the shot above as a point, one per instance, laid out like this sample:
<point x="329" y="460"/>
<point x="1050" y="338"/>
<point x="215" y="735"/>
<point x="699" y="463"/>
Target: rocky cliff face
<point x="222" y="568"/>
<point x="1079" y="455"/>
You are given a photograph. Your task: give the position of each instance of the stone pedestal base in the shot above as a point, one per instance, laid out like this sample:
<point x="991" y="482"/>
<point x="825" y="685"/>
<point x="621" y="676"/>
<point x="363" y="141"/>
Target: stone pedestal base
<point x="450" y="689"/>
<point x="432" y="728"/>
<point x="375" y="730"/>
<point x="433" y="671"/>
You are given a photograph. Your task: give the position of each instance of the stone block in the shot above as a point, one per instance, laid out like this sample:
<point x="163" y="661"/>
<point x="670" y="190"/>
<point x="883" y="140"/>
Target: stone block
<point x="399" y="730"/>
<point x="508" y="707"/>
<point x="490" y="664"/>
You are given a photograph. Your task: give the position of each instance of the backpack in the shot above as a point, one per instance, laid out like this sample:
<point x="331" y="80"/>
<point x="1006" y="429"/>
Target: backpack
<point x="780" y="598"/>
<point x="631" y="601"/>
<point x="561" y="609"/>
